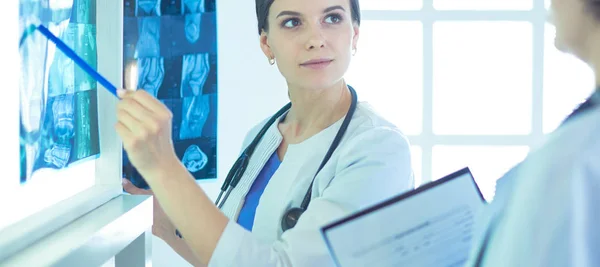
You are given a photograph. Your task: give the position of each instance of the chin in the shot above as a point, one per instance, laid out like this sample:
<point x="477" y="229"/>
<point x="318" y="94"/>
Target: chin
<point x="317" y="83"/>
<point x="559" y="45"/>
<point x="565" y="43"/>
<point x="570" y="48"/>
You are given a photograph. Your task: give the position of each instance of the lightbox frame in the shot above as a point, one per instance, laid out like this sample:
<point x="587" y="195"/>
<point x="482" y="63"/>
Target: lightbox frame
<point x="108" y="170"/>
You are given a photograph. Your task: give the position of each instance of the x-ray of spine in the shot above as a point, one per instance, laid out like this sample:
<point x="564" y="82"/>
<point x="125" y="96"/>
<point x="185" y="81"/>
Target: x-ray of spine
<point x="58" y="109"/>
<point x="172" y="43"/>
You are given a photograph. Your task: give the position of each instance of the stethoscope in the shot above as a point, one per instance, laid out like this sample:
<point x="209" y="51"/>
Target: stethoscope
<point x="292" y="215"/>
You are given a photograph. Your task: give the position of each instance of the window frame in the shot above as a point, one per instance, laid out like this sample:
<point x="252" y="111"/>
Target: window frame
<point x="428" y="15"/>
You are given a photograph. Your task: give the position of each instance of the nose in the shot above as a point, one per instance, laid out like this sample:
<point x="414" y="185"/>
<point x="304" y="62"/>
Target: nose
<point x="315" y="38"/>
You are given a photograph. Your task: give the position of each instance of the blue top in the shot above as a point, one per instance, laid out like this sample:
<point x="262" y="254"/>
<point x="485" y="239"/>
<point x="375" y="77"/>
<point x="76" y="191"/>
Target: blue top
<point x="246" y="217"/>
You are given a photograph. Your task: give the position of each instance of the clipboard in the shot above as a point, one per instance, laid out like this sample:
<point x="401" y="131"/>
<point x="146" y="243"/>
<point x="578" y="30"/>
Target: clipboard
<point x="431" y="226"/>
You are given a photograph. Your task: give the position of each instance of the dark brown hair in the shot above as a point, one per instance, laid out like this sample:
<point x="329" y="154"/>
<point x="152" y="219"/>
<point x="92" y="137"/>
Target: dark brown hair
<point x="263" y="7"/>
<point x="593" y="6"/>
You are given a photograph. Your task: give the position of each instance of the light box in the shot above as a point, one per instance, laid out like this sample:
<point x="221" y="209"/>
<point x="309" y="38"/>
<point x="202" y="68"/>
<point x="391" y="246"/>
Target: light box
<point x="62" y="155"/>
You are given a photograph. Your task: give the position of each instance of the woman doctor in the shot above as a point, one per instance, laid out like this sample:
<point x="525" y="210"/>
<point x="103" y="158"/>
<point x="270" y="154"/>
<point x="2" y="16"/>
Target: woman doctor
<point x="546" y="210"/>
<point x="323" y="158"/>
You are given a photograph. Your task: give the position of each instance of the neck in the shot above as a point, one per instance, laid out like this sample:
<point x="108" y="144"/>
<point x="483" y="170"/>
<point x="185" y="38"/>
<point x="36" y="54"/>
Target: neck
<point x="595" y="65"/>
<point x="594" y="56"/>
<point x="315" y="109"/>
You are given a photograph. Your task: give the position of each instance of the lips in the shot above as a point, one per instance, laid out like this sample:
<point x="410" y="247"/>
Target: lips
<point x="316" y="61"/>
<point x="317" y="64"/>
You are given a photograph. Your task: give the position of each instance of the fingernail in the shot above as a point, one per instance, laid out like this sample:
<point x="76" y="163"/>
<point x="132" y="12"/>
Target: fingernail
<point x="121" y="92"/>
<point x="124" y="181"/>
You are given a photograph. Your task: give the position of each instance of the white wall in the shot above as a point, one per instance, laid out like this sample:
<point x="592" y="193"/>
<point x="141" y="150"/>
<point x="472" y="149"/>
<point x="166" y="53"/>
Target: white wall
<point x="249" y="90"/>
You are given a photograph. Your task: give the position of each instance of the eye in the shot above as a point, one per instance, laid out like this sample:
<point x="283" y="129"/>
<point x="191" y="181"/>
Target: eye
<point x="333" y="18"/>
<point x="290" y="23"/>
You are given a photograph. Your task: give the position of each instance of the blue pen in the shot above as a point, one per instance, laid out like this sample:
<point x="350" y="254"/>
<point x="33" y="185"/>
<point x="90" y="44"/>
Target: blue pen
<point x="71" y="54"/>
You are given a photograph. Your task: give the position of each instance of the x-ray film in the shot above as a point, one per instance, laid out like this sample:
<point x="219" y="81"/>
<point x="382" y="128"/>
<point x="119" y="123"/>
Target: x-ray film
<point x="58" y="99"/>
<point x="173" y="45"/>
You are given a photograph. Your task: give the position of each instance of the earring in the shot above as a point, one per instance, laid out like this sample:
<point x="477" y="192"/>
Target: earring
<point x="271" y="61"/>
<point x="354" y="51"/>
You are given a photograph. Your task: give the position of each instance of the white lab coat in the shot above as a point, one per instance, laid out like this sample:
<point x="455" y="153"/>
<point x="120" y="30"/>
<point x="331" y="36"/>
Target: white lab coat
<point x="371" y="164"/>
<point x="546" y="211"/>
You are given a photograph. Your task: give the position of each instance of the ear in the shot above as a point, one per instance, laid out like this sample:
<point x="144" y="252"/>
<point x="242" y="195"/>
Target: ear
<point x="264" y="45"/>
<point x="356" y="31"/>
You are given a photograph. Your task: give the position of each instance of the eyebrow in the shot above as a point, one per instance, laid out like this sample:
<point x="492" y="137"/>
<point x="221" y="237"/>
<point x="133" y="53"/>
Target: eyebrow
<point x="294" y="13"/>
<point x="332" y="8"/>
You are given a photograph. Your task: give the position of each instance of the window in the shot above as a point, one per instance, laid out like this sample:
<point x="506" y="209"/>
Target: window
<point x="482" y="4"/>
<point x="471" y="82"/>
<point x="482" y="67"/>
<point x="398" y="97"/>
<point x="487" y="163"/>
<point x="391" y="5"/>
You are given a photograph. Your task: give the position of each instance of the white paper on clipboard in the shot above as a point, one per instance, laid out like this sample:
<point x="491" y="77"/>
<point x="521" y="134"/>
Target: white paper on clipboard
<point x="431" y="226"/>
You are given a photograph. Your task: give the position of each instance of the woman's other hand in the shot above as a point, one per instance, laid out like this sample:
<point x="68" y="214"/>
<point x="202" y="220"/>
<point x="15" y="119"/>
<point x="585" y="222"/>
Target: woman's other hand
<point x="162" y="227"/>
<point x="144" y="125"/>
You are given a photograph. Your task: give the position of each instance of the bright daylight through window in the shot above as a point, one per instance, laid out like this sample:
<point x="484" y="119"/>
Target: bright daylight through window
<point x="472" y="83"/>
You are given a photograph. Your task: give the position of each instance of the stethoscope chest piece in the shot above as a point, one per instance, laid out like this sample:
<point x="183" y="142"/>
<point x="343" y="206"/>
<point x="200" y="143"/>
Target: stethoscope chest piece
<point x="290" y="218"/>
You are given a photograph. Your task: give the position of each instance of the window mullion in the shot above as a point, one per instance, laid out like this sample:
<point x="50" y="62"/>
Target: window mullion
<point x="427" y="133"/>
<point x="537" y="86"/>
<point x="428" y="16"/>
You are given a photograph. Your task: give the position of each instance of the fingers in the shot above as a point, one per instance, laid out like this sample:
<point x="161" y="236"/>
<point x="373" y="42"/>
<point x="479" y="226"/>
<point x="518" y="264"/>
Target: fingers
<point x="125" y="133"/>
<point x="149" y="102"/>
<point x="133" y="133"/>
<point x="132" y="189"/>
<point x="122" y="93"/>
<point x="163" y="232"/>
<point x="132" y="124"/>
<point x="137" y="122"/>
<point x="137" y="118"/>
